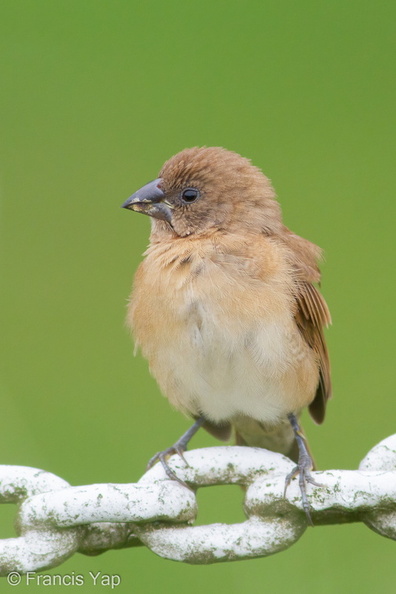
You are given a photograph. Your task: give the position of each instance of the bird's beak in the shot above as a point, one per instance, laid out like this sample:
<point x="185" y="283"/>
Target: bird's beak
<point x="150" y="200"/>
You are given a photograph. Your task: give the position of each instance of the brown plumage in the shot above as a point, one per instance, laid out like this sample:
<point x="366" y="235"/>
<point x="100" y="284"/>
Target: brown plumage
<point x="224" y="305"/>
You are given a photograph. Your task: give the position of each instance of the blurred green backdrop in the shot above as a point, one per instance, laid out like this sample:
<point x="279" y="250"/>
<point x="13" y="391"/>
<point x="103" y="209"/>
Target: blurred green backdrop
<point x="95" y="95"/>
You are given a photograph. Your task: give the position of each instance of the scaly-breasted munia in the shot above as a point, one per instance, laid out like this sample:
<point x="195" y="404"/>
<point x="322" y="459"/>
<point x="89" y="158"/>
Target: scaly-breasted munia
<point x="225" y="307"/>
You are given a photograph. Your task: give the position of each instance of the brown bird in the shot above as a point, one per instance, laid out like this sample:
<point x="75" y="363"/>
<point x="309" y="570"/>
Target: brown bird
<point x="225" y="307"/>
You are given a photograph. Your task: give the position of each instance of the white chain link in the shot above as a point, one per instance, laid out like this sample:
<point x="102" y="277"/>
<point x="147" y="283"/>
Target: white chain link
<point x="55" y="520"/>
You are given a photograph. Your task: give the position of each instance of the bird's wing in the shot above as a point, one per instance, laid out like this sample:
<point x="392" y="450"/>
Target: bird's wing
<point x="311" y="315"/>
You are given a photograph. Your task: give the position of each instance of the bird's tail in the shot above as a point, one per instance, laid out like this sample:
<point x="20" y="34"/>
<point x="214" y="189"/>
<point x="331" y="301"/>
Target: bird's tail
<point x="278" y="438"/>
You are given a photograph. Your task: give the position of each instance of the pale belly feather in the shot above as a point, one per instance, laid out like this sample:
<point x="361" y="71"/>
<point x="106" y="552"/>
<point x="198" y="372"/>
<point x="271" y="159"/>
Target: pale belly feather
<point x="208" y="360"/>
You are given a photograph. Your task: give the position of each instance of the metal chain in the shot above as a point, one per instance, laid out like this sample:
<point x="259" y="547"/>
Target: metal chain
<point x="55" y="520"/>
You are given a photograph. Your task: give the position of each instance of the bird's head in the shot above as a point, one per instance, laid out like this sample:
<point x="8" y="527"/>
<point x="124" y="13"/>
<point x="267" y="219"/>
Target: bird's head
<point x="208" y="189"/>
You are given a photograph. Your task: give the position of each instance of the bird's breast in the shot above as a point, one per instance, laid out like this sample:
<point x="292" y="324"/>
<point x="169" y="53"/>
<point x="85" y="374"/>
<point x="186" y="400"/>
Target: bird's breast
<point x="220" y="341"/>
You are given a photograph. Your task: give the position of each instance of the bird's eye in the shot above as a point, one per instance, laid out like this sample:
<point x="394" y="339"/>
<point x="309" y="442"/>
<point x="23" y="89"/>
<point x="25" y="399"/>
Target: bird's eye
<point x="189" y="195"/>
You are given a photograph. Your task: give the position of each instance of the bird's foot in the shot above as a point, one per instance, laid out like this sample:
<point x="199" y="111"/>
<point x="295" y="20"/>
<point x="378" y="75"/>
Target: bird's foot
<point x="163" y="457"/>
<point x="303" y="471"/>
<point x="177" y="448"/>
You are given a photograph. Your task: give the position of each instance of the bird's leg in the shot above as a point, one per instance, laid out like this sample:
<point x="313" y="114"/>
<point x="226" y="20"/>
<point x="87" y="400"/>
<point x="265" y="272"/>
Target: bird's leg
<point x="303" y="468"/>
<point x="179" y="447"/>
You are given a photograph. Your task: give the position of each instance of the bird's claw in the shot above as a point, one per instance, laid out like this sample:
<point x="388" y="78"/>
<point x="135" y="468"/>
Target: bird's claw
<point x="303" y="471"/>
<point x="163" y="458"/>
<point x="177" y="448"/>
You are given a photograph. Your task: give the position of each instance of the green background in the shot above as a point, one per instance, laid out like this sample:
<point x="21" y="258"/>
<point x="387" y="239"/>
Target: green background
<point x="95" y="95"/>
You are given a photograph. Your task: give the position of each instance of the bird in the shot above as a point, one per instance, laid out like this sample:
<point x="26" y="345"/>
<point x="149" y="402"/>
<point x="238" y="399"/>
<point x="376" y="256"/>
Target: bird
<point x="227" y="310"/>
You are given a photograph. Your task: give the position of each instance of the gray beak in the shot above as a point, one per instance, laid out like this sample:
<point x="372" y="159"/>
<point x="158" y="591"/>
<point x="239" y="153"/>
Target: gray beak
<point x="150" y="201"/>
